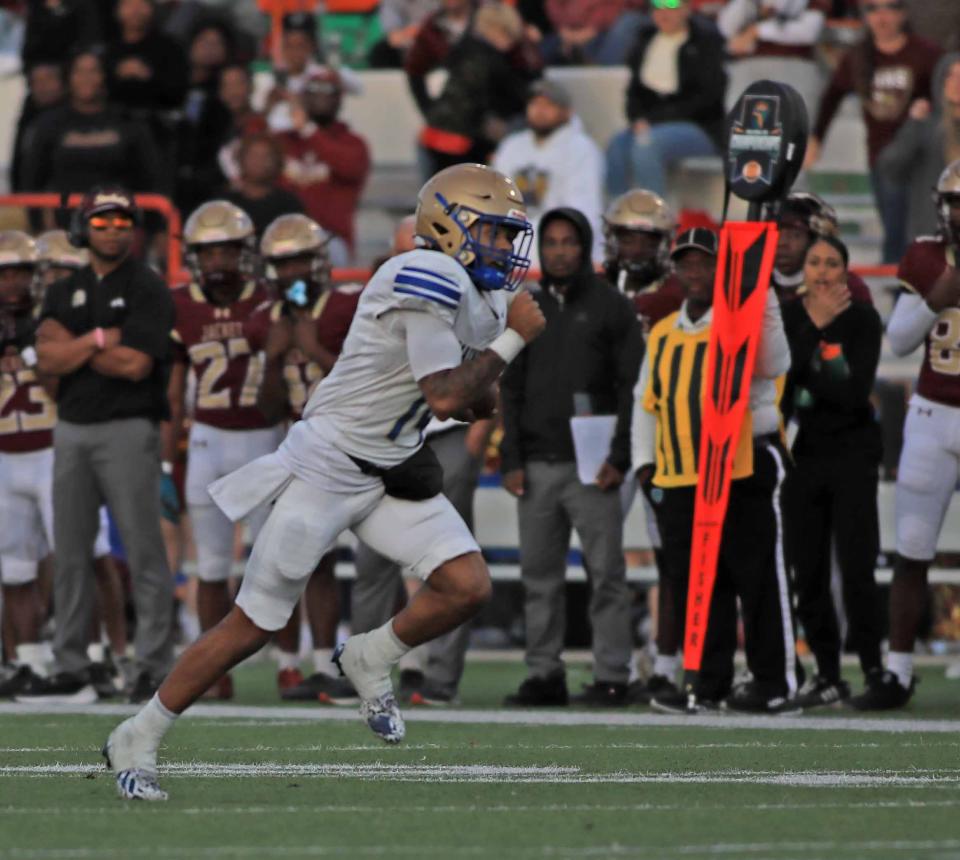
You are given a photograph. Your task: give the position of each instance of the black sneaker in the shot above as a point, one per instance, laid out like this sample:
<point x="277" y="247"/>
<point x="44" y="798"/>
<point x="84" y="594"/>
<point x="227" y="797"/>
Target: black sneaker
<point x="104" y="680"/>
<point x="883" y="692"/>
<point x="640" y="693"/>
<point x="410" y="681"/>
<point x="537" y="692"/>
<point x="16" y="679"/>
<point x="681" y="703"/>
<point x="64" y="688"/>
<point x="819" y="692"/>
<point x="143" y="689"/>
<point x="750" y="699"/>
<point x="601" y="694"/>
<point x="435" y="694"/>
<point x="322" y="688"/>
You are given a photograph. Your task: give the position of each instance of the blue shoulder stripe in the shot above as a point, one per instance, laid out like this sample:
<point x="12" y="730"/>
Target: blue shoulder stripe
<point x="424" y="295"/>
<point x="420" y="271"/>
<point x="420" y="283"/>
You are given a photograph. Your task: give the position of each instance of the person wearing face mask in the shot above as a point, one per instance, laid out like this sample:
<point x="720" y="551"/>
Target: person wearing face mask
<point x="804" y="217"/>
<point x="831" y="497"/>
<point x="301" y="332"/>
<point x="327" y="164"/>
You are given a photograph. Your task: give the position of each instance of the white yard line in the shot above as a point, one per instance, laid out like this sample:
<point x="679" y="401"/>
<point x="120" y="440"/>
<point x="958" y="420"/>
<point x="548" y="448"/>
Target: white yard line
<point x="915" y="777"/>
<point x="294" y="715"/>
<point x="833" y="848"/>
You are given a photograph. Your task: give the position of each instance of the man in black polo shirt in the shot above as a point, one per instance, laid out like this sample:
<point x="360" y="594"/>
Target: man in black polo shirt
<point x="104" y="333"/>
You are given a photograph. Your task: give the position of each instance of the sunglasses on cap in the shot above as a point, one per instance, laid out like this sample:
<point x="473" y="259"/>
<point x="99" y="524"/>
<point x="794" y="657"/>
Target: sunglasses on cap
<point x="668" y="4"/>
<point x="895" y="6"/>
<point x="105" y="222"/>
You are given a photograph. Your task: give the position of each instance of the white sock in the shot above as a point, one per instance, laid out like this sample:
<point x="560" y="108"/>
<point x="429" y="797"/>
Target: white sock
<point x="32" y="654"/>
<point x="666" y="665"/>
<point x="383" y="646"/>
<point x="287" y="660"/>
<point x="415" y="660"/>
<point x="323" y="664"/>
<point x="153" y="721"/>
<point x="901" y="664"/>
<point x="96" y="652"/>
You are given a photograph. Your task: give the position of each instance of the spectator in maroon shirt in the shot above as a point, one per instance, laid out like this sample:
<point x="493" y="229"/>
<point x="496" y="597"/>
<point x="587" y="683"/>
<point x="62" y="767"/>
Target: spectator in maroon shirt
<point x="326" y="163"/>
<point x="891" y="70"/>
<point x="595" y="32"/>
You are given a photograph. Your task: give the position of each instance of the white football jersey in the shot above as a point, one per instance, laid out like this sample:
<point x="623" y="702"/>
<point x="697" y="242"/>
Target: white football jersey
<point x="370" y="405"/>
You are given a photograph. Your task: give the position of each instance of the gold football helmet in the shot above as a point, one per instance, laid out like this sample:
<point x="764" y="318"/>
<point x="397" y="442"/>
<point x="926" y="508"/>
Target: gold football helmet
<point x="456" y="205"/>
<point x="219" y="222"/>
<point x="946" y="195"/>
<point x="55" y="250"/>
<point x="18" y="253"/>
<point x="639" y="211"/>
<point x="296" y="236"/>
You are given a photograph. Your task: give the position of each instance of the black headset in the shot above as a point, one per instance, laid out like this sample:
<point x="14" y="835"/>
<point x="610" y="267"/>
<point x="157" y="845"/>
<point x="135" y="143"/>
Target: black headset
<point x="78" y="231"/>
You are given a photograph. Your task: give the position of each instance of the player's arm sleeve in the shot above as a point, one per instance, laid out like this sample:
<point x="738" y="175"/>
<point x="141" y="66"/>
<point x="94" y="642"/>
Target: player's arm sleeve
<point x="909" y="324"/>
<point x="773" y="351"/>
<point x="643" y="426"/>
<point x="432" y="345"/>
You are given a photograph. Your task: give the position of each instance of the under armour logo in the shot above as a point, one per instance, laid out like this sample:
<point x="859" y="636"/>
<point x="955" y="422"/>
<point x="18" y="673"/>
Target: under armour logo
<point x="924" y="411"/>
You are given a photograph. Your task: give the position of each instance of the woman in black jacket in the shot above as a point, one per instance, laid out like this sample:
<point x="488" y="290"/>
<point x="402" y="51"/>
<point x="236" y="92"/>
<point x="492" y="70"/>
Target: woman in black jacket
<point x="674" y="100"/>
<point x="831" y="497"/>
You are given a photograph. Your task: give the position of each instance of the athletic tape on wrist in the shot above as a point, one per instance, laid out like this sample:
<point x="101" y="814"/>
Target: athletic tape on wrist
<point x="509" y="345"/>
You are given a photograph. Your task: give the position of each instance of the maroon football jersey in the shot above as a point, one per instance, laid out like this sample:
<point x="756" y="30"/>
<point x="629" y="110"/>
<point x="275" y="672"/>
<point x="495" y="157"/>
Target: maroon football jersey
<point x="213" y="341"/>
<point x="939" y="380"/>
<point x="27" y="414"/>
<point x="657" y="301"/>
<point x="333" y="312"/>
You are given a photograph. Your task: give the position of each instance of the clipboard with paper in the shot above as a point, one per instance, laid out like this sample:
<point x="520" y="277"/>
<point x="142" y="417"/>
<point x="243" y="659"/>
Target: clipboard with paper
<point x="592" y="435"/>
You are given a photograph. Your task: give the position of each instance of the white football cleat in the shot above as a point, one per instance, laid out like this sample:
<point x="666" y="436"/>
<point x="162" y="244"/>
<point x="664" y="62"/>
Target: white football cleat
<point x="384" y="718"/>
<point x="378" y="705"/>
<point x="139" y="785"/>
<point x="134" y="762"/>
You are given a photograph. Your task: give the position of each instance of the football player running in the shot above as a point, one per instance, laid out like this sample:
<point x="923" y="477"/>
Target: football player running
<point x="302" y="333"/>
<point x="434" y="330"/>
<point x="928" y="312"/>
<point x="228" y="429"/>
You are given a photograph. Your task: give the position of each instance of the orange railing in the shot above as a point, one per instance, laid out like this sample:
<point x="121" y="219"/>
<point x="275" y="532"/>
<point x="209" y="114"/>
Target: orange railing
<point x="163" y="206"/>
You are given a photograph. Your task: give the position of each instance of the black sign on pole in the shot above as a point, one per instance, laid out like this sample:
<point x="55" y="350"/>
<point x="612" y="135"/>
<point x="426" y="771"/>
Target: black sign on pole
<point x="767" y="132"/>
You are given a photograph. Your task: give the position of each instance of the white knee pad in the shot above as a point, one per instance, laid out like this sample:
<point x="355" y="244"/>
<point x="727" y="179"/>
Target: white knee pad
<point x="213" y="538"/>
<point x="17" y="571"/>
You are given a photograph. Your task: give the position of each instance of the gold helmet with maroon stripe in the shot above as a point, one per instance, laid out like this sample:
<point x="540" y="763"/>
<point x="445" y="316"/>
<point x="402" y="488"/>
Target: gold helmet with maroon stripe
<point x="19" y="262"/>
<point x="639" y="211"/>
<point x="296" y="237"/>
<point x="947" y="196"/>
<point x="220" y="222"/>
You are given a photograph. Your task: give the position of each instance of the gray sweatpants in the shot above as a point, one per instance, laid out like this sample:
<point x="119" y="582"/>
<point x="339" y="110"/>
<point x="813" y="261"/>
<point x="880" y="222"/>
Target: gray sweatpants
<point x="378" y="579"/>
<point x="116" y="463"/>
<point x="553" y="501"/>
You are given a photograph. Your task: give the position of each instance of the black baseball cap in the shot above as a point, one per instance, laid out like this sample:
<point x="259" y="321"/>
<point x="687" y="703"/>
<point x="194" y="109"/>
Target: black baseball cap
<point x="701" y="238"/>
<point x="302" y="22"/>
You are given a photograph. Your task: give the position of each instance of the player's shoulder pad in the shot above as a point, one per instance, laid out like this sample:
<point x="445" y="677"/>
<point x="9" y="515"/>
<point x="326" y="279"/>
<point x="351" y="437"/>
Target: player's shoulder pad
<point x="427" y="279"/>
<point x="350" y="289"/>
<point x="923" y="263"/>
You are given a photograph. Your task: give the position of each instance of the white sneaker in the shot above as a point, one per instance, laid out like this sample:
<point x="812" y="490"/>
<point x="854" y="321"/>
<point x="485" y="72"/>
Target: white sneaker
<point x="134" y="762"/>
<point x="378" y="705"/>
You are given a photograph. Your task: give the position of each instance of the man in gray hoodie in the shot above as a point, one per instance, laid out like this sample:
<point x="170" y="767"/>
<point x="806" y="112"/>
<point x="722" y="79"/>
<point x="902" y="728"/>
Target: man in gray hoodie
<point x="925" y="144"/>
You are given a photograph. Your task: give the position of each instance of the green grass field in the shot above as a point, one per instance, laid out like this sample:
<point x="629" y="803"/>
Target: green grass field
<point x="254" y="779"/>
